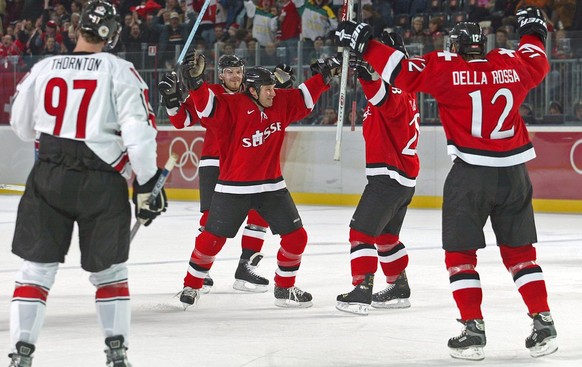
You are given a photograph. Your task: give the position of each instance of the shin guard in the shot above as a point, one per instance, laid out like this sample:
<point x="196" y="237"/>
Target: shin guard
<point x="254" y="233"/>
<point x="392" y="255"/>
<point x="205" y="250"/>
<point x="363" y="256"/>
<point x="289" y="257"/>
<point x="527" y="276"/>
<point x="112" y="300"/>
<point x="465" y="283"/>
<point x="28" y="306"/>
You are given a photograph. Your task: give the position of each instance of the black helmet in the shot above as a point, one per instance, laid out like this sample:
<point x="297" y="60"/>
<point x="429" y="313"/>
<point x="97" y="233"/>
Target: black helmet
<point x="394" y="40"/>
<point x="258" y="76"/>
<point x="230" y="61"/>
<point x="101" y="19"/>
<point x="467" y="39"/>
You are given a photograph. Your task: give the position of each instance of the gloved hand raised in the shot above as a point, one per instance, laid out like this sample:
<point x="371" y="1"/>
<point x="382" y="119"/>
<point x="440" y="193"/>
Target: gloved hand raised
<point x="285" y="76"/>
<point x="328" y="68"/>
<point x="365" y="71"/>
<point x="394" y="40"/>
<point x="145" y="211"/>
<point x="353" y="35"/>
<point x="192" y="69"/>
<point x="531" y="21"/>
<point x="170" y="90"/>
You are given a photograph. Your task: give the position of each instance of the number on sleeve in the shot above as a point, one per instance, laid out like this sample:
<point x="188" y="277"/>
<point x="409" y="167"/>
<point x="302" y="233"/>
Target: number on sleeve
<point x="408" y="149"/>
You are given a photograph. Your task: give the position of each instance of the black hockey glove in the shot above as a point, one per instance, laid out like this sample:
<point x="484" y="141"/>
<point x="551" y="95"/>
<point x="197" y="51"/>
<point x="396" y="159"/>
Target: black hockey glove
<point x="285" y="76"/>
<point x="531" y="21"/>
<point x="365" y="71"/>
<point x="353" y="35"/>
<point x="328" y="68"/>
<point x="192" y="70"/>
<point x="170" y="91"/>
<point x="145" y="211"/>
<point x="394" y="40"/>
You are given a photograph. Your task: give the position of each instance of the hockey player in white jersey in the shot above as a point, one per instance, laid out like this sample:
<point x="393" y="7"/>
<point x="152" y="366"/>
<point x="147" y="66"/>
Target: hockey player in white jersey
<point x="91" y="112"/>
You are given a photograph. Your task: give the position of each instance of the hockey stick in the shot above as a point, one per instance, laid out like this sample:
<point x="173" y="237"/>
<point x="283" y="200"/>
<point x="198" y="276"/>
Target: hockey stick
<point x="347" y="15"/>
<point x="157" y="189"/>
<point x="193" y="32"/>
<point x="12" y="187"/>
<point x="354" y="115"/>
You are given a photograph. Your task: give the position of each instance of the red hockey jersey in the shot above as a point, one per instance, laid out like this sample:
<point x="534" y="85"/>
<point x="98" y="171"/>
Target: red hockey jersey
<point x="186" y="116"/>
<point x="478" y="100"/>
<point x="391" y="132"/>
<point x="250" y="140"/>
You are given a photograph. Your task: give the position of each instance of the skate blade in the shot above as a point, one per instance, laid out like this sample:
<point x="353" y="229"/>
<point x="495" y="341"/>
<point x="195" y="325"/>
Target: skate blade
<point x="286" y="303"/>
<point x="353" y="307"/>
<point x="205" y="289"/>
<point x="393" y="303"/>
<point x="548" y="346"/>
<point x="471" y="353"/>
<point x="244" y="286"/>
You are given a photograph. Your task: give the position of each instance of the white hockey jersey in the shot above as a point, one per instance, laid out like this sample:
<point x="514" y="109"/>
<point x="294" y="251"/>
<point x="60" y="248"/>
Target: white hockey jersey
<point x="97" y="98"/>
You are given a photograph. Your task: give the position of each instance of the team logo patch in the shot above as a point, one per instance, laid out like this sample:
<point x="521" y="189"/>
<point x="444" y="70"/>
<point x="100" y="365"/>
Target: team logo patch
<point x="103" y="31"/>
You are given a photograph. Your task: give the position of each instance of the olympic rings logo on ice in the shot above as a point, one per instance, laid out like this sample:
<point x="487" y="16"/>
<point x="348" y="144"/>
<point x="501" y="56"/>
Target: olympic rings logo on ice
<point x="188" y="158"/>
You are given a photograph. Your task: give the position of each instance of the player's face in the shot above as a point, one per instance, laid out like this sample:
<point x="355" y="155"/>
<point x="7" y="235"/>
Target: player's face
<point x="266" y="95"/>
<point x="232" y="77"/>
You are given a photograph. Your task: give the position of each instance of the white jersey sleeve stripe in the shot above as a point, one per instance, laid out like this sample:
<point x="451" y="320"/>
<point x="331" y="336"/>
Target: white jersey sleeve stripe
<point x="391" y="65"/>
<point x="306" y="96"/>
<point x="379" y="96"/>
<point x="209" y="105"/>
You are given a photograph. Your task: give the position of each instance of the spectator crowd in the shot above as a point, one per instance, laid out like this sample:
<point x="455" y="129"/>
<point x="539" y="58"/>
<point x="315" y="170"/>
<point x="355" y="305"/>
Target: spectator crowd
<point x="32" y="29"/>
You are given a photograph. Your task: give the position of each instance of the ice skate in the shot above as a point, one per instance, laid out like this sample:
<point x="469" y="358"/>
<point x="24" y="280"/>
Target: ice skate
<point x="116" y="353"/>
<point x="359" y="299"/>
<point x="469" y="345"/>
<point x="189" y="296"/>
<point x="292" y="297"/>
<point x="246" y="278"/>
<point x="542" y="340"/>
<point x="208" y="283"/>
<point x="395" y="295"/>
<point x="23" y="355"/>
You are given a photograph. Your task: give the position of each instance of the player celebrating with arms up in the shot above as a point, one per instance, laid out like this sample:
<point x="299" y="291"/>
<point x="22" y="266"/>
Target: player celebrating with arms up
<point x="479" y="96"/>
<point x="94" y="119"/>
<point x="182" y="113"/>
<point x="251" y="127"/>
<point x="390" y="130"/>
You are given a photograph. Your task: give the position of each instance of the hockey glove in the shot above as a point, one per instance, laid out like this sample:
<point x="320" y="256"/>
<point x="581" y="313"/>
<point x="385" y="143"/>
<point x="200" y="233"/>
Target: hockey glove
<point x="365" y="71"/>
<point x="145" y="211"/>
<point x="328" y="68"/>
<point x="285" y="76"/>
<point x="192" y="70"/>
<point x="170" y="91"/>
<point x="394" y="40"/>
<point x="531" y="21"/>
<point x="353" y="35"/>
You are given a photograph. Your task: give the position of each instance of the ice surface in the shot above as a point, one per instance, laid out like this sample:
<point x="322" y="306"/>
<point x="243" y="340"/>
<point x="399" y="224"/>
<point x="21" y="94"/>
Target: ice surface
<point x="231" y="328"/>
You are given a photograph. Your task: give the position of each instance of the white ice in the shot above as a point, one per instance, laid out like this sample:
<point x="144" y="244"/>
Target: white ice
<point x="231" y="328"/>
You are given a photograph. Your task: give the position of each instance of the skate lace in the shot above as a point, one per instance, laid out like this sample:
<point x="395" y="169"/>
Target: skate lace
<point x="387" y="290"/>
<point x="251" y="270"/>
<point x="295" y="293"/>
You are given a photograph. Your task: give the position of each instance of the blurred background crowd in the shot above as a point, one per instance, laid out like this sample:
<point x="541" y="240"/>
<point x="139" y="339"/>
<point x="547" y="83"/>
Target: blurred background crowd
<point x="269" y="32"/>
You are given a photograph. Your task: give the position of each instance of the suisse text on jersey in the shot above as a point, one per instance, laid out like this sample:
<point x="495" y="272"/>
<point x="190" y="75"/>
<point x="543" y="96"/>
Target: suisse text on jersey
<point x="76" y="63"/>
<point x="481" y="77"/>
